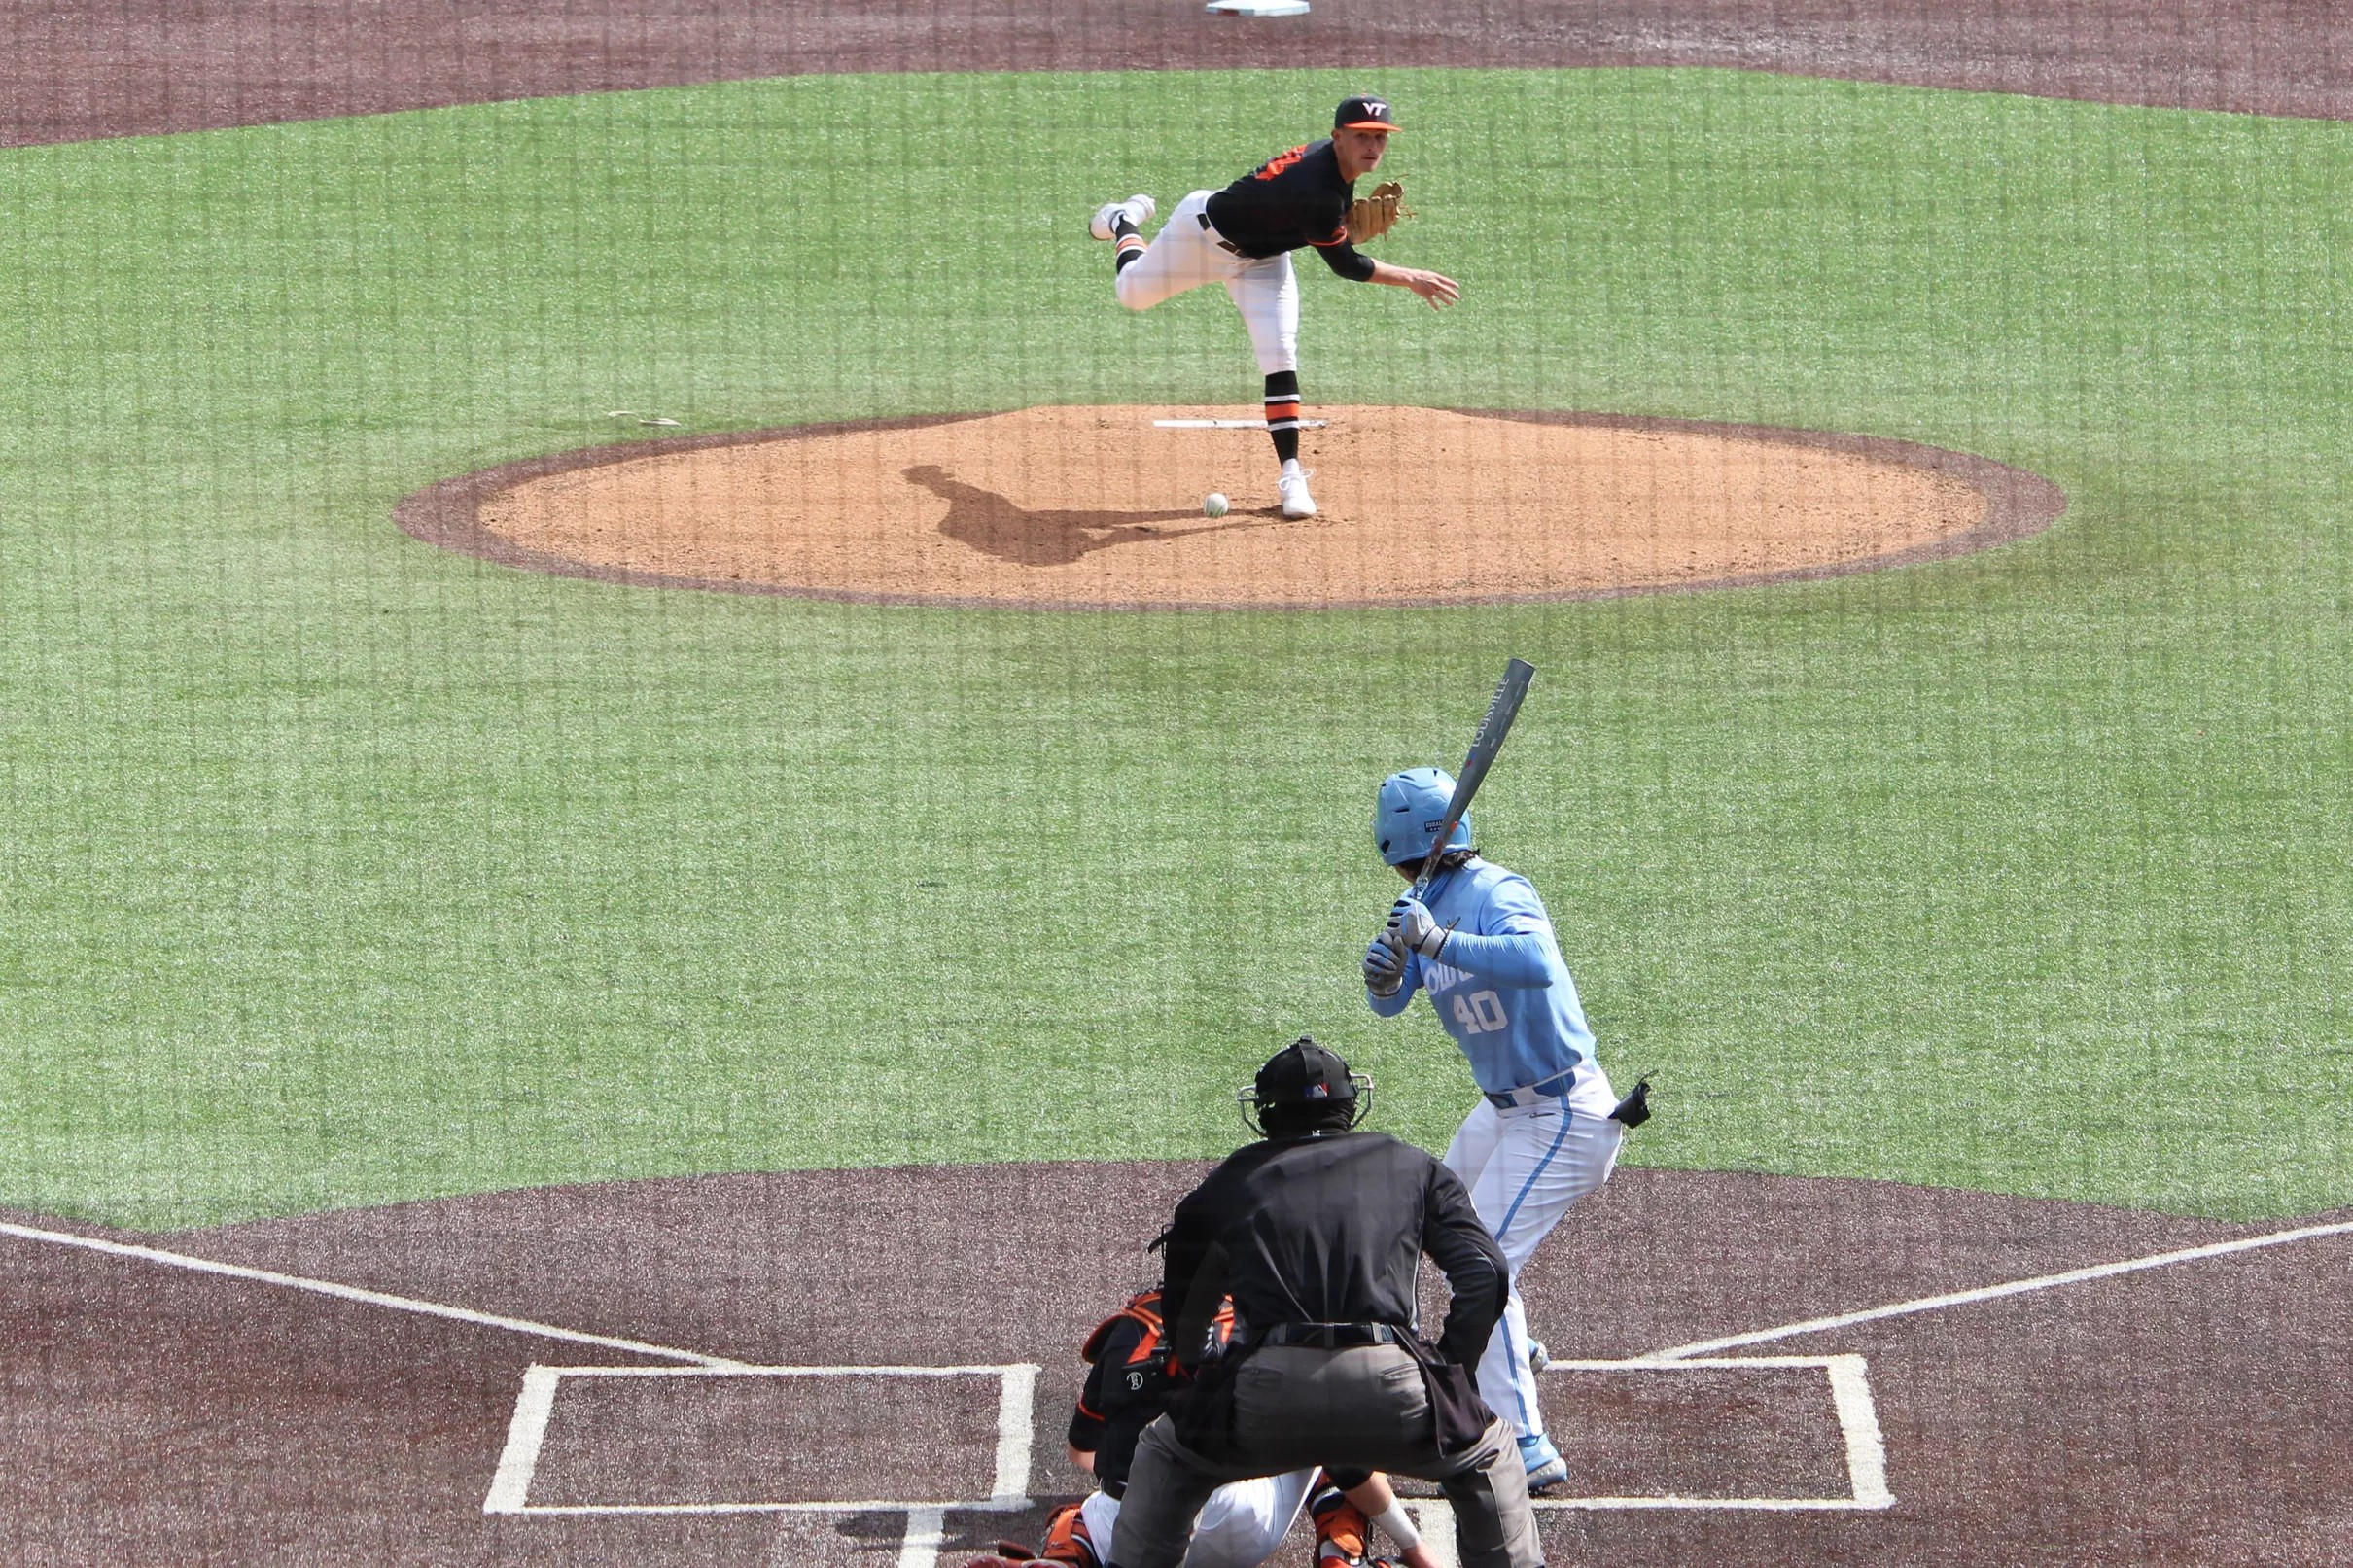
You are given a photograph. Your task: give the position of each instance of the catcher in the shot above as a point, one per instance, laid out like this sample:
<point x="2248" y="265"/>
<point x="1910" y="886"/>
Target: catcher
<point x="1242" y="237"/>
<point x="1244" y="1521"/>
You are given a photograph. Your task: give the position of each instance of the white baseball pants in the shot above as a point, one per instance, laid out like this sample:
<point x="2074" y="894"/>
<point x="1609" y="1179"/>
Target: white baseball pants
<point x="1239" y="1526"/>
<point x="1185" y="256"/>
<point x="1525" y="1166"/>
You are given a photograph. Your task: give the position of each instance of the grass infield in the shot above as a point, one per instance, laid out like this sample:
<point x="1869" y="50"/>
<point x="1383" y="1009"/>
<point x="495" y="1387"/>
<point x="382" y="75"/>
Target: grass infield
<point x="338" y="870"/>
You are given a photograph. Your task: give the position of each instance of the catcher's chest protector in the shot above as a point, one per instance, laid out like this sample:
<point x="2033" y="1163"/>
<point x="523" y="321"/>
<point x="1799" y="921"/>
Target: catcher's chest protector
<point x="1144" y="1311"/>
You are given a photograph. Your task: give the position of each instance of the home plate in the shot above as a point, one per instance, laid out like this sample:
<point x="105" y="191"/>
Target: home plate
<point x="1229" y="424"/>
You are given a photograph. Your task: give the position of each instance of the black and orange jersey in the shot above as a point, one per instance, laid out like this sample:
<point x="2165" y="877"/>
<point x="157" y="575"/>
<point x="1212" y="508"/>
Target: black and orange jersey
<point x="1127" y="1385"/>
<point x="1293" y="199"/>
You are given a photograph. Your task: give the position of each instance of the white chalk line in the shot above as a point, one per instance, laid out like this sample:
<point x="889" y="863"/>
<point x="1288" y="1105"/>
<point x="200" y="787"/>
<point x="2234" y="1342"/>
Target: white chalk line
<point x="1850" y="1387"/>
<point x="354" y="1293"/>
<point x="1016" y="1402"/>
<point x="1866" y="1448"/>
<point x="1435" y="1519"/>
<point x="926" y="1532"/>
<point x="535" y="1405"/>
<point x="526" y="1429"/>
<point x="1987" y="1293"/>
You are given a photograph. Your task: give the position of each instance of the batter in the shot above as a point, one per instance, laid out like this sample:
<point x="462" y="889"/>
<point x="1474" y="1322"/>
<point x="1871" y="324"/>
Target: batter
<point x="1542" y="1135"/>
<point x="1242" y="237"/>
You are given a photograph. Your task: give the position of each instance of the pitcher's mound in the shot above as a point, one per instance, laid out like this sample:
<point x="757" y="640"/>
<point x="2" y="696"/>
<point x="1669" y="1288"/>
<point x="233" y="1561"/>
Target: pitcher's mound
<point x="1102" y="508"/>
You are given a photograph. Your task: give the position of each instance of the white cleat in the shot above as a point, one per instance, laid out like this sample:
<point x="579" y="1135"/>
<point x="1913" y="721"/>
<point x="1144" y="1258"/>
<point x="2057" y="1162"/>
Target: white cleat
<point x="1545" y="1466"/>
<point x="1296" y="502"/>
<point x="1138" y="210"/>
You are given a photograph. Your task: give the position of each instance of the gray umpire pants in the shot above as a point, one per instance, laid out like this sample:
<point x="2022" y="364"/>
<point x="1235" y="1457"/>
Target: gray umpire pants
<point x="1361" y="1408"/>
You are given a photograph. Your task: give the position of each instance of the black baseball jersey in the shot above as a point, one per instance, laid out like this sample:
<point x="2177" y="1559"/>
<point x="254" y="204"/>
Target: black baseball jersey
<point x="1330" y="1228"/>
<point x="1127" y="1385"/>
<point x="1295" y="198"/>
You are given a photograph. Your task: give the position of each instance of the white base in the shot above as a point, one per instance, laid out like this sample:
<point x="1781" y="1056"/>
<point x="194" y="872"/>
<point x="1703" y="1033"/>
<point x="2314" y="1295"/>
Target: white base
<point x="1259" y="7"/>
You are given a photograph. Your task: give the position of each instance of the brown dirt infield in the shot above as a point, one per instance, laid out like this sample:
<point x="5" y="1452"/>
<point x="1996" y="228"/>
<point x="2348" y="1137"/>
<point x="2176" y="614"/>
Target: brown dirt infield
<point x="142" y="67"/>
<point x="1099" y="507"/>
<point x="2184" y="1414"/>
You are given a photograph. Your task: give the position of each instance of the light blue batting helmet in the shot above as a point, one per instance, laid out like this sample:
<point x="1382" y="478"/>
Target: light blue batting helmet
<point x="1408" y="810"/>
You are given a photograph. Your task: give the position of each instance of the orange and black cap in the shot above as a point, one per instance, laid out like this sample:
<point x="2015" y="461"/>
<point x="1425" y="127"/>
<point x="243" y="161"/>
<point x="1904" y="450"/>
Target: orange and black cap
<point x="1363" y="113"/>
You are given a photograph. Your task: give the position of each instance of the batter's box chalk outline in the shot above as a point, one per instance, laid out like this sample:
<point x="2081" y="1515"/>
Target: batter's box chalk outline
<point x="1849" y="1377"/>
<point x="535" y="1405"/>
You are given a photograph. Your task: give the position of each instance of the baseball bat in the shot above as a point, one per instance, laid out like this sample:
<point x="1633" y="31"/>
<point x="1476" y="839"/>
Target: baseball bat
<point x="1501" y="710"/>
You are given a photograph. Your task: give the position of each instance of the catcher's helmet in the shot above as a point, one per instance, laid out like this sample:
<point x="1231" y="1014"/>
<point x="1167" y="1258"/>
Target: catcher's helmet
<point x="1408" y="810"/>
<point x="1303" y="1076"/>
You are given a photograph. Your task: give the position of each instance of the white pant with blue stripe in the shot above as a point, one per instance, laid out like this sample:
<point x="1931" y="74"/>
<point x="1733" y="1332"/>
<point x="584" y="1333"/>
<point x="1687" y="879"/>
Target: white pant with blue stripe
<point x="1525" y="1166"/>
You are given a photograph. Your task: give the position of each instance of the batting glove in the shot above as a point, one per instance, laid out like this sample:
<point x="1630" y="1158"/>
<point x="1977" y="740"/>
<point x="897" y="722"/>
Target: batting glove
<point x="1384" y="967"/>
<point x="1411" y="924"/>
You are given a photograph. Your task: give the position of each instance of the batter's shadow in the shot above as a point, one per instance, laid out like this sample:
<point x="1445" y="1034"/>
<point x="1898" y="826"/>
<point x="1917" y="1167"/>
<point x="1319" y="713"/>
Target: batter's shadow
<point x="997" y="526"/>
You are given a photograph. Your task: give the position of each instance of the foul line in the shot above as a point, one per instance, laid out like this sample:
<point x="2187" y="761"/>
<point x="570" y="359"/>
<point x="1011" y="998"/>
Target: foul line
<point x="353" y="1293"/>
<point x="1987" y="1293"/>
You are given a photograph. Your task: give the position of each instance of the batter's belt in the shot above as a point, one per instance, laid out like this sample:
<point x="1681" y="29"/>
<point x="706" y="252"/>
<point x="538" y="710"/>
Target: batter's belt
<point x="1553" y="1088"/>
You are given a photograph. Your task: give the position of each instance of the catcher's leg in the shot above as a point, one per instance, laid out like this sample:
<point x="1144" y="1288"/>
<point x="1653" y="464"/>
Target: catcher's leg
<point x="1181" y="256"/>
<point x="1166" y="1490"/>
<point x="1244" y="1521"/>
<point x="1099" y="1518"/>
<point x="1068" y="1542"/>
<point x="1342" y="1530"/>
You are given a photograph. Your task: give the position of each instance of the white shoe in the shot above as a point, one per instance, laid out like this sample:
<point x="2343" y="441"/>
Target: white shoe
<point x="1138" y="210"/>
<point x="1296" y="502"/>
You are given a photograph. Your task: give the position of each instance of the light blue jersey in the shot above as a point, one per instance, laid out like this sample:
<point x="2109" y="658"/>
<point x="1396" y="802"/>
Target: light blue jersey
<point x="1504" y="994"/>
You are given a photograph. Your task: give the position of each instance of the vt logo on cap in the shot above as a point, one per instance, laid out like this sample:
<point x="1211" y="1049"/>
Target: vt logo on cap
<point x="1362" y="113"/>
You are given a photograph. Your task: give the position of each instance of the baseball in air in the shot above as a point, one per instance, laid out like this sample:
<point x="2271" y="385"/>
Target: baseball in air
<point x="1214" y="504"/>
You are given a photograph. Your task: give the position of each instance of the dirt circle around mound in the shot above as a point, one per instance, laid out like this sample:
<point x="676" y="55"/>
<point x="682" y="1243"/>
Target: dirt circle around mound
<point x="1101" y="507"/>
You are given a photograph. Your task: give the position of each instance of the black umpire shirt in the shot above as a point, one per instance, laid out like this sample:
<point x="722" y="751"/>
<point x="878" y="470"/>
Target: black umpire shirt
<point x="1292" y="200"/>
<point x="1330" y="1228"/>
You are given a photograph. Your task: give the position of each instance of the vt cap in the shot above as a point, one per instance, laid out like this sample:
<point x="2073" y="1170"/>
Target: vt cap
<point x="1361" y="113"/>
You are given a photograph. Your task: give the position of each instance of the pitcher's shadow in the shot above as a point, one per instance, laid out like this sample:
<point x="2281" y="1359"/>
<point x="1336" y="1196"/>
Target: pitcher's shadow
<point x="997" y="526"/>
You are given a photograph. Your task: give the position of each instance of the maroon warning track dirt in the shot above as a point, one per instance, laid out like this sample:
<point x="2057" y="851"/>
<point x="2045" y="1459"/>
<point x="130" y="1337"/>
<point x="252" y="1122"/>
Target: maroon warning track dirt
<point x="2187" y="1415"/>
<point x="132" y="67"/>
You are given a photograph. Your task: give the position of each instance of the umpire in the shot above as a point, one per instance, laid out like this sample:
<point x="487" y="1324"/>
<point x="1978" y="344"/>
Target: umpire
<point x="1318" y="1233"/>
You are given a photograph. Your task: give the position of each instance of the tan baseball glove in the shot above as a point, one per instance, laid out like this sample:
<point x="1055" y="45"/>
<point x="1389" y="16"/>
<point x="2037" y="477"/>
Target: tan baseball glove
<point x="1375" y="214"/>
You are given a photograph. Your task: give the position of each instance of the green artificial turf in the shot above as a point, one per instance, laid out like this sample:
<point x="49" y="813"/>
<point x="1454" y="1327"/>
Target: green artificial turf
<point x="341" y="870"/>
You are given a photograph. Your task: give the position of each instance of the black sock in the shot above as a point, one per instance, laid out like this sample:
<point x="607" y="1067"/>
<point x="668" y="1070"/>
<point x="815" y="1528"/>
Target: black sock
<point x="1282" y="414"/>
<point x="1127" y="244"/>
